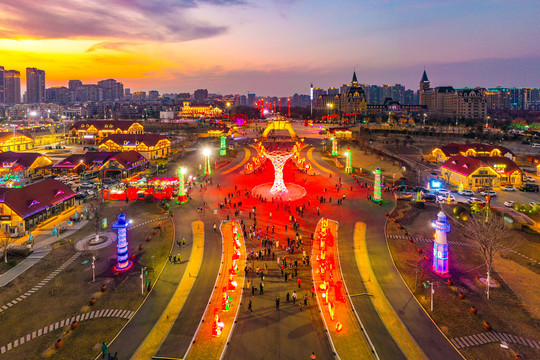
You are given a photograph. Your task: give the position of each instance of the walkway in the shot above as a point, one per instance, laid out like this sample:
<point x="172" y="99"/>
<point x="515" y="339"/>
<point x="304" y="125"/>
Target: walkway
<point x="105" y="313"/>
<point x="489" y="337"/>
<point x="161" y="329"/>
<point x="41" y="284"/>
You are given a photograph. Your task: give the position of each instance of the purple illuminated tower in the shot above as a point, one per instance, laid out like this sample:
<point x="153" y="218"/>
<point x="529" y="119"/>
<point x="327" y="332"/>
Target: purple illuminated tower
<point x="440" y="245"/>
<point x="121" y="226"/>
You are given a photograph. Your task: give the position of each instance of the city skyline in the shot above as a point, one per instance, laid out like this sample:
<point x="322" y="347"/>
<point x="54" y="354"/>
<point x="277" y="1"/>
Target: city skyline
<point x="235" y="46"/>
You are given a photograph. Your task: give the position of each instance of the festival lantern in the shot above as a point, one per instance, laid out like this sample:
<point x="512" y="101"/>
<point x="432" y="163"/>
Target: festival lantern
<point x="440" y="245"/>
<point x="334" y="146"/>
<point x="217" y="325"/>
<point x="377" y="193"/>
<point x="348" y="163"/>
<point x="278" y="159"/>
<point x="182" y="196"/>
<point x="207" y="167"/>
<point x="123" y="262"/>
<point x="223" y="147"/>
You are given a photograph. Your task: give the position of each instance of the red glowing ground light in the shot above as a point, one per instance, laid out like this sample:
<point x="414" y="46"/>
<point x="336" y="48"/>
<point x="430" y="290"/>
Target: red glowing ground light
<point x="339" y="327"/>
<point x="129" y="265"/>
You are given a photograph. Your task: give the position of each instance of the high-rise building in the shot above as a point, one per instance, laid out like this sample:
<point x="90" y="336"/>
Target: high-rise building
<point x="201" y="95"/>
<point x="471" y="104"/>
<point x="424" y="87"/>
<point x="12" y="87"/>
<point x="153" y="95"/>
<point x="333" y="91"/>
<point x="2" y="82"/>
<point x="74" y="84"/>
<point x="35" y="86"/>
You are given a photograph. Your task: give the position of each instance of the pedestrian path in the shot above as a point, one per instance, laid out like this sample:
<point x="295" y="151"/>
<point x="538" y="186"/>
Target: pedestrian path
<point x="490" y="337"/>
<point x="41" y="284"/>
<point x="105" y="313"/>
<point x="459" y="243"/>
<point x="162" y="327"/>
<point x="148" y="222"/>
<point x="316" y="164"/>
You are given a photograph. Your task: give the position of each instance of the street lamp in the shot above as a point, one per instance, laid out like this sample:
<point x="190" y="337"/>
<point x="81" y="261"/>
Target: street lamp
<point x="228" y="109"/>
<point x="93" y="269"/>
<point x="425" y="119"/>
<point x="487" y="124"/>
<point x="328" y="107"/>
<point x="207" y="167"/>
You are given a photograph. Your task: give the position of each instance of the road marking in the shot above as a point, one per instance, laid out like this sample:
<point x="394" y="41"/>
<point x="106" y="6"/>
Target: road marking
<point x="315" y="163"/>
<point x="244" y="160"/>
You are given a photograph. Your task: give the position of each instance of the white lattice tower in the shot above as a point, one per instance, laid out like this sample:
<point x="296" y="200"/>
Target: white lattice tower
<point x="278" y="159"/>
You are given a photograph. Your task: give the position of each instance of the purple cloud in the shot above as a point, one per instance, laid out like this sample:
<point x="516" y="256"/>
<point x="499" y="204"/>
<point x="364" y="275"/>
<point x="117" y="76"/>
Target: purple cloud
<point x="166" y="20"/>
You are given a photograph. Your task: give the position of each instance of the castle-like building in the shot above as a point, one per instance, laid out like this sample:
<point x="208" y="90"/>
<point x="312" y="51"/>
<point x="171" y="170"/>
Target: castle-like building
<point x="447" y="102"/>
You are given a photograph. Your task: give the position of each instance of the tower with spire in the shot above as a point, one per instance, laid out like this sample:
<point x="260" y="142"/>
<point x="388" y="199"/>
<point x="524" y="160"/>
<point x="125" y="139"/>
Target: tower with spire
<point x="353" y="99"/>
<point x="424" y="87"/>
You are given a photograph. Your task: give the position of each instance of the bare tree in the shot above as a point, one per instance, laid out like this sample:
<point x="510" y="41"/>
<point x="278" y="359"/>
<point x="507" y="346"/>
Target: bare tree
<point x="96" y="207"/>
<point x="5" y="243"/>
<point x="488" y="231"/>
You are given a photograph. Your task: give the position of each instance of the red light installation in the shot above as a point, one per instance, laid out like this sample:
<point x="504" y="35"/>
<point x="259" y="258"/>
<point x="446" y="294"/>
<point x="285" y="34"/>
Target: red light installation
<point x="217" y="325"/>
<point x="289" y="106"/>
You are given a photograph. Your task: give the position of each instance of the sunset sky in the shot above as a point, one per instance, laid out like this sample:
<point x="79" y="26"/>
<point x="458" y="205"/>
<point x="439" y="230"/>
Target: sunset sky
<point x="273" y="47"/>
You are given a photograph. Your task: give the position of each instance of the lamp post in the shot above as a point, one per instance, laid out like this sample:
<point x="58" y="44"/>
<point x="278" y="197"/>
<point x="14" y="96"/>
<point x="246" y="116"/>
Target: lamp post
<point x="93" y="269"/>
<point x="487" y="124"/>
<point x="207" y="167"/>
<point x="228" y="109"/>
<point x="328" y="107"/>
<point x="425" y="119"/>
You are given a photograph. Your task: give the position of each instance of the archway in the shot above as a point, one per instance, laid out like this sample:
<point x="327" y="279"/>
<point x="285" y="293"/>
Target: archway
<point x="279" y="125"/>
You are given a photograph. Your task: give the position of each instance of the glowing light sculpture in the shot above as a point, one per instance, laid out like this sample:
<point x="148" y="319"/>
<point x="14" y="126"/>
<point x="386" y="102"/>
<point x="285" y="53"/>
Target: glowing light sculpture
<point x="278" y="159"/>
<point x="334" y="146"/>
<point x="207" y="167"/>
<point x="182" y="196"/>
<point x="377" y="193"/>
<point x="123" y="262"/>
<point x="223" y="148"/>
<point x="440" y="245"/>
<point x="348" y="163"/>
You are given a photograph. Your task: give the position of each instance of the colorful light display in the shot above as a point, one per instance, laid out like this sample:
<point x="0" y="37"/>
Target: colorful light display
<point x="348" y="162"/>
<point x="278" y="159"/>
<point x="223" y="143"/>
<point x="182" y="196"/>
<point x="334" y="146"/>
<point x="123" y="262"/>
<point x="377" y="193"/>
<point x="217" y="324"/>
<point x="440" y="245"/>
<point x="207" y="167"/>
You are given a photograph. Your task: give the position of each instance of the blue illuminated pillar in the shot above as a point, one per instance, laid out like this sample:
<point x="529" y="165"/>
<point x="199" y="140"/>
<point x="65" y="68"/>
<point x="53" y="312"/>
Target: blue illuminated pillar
<point x="440" y="245"/>
<point x="121" y="226"/>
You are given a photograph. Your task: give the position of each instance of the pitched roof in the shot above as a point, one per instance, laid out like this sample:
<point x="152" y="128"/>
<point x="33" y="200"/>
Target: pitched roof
<point x="509" y="165"/>
<point x="424" y="77"/>
<point x="5" y="136"/>
<point x="452" y="149"/>
<point x="127" y="158"/>
<point x="36" y="197"/>
<point x="135" y="139"/>
<point x="89" y="159"/>
<point x="104" y="124"/>
<point x="463" y="164"/>
<point x="24" y="159"/>
<point x="354" y="79"/>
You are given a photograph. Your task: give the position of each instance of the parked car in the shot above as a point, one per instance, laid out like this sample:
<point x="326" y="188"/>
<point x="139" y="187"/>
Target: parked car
<point x="90" y="192"/>
<point x="444" y="198"/>
<point x="533" y="204"/>
<point x="73" y="178"/>
<point x="472" y="200"/>
<point x="87" y="185"/>
<point x="529" y="188"/>
<point x="465" y="192"/>
<point x="442" y="192"/>
<point x="529" y="179"/>
<point x="488" y="193"/>
<point x="80" y="195"/>
<point x="508" y="188"/>
<point x="429" y="197"/>
<point x="509" y="204"/>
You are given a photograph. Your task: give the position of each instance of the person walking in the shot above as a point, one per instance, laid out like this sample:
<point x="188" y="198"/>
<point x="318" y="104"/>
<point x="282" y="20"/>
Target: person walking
<point x="313" y="356"/>
<point x="277" y="303"/>
<point x="249" y="306"/>
<point x="313" y="291"/>
<point x="294" y="297"/>
<point x="104" y="350"/>
<point x="261" y="288"/>
<point x="305" y="300"/>
<point x="287" y="297"/>
<point x="299" y="282"/>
